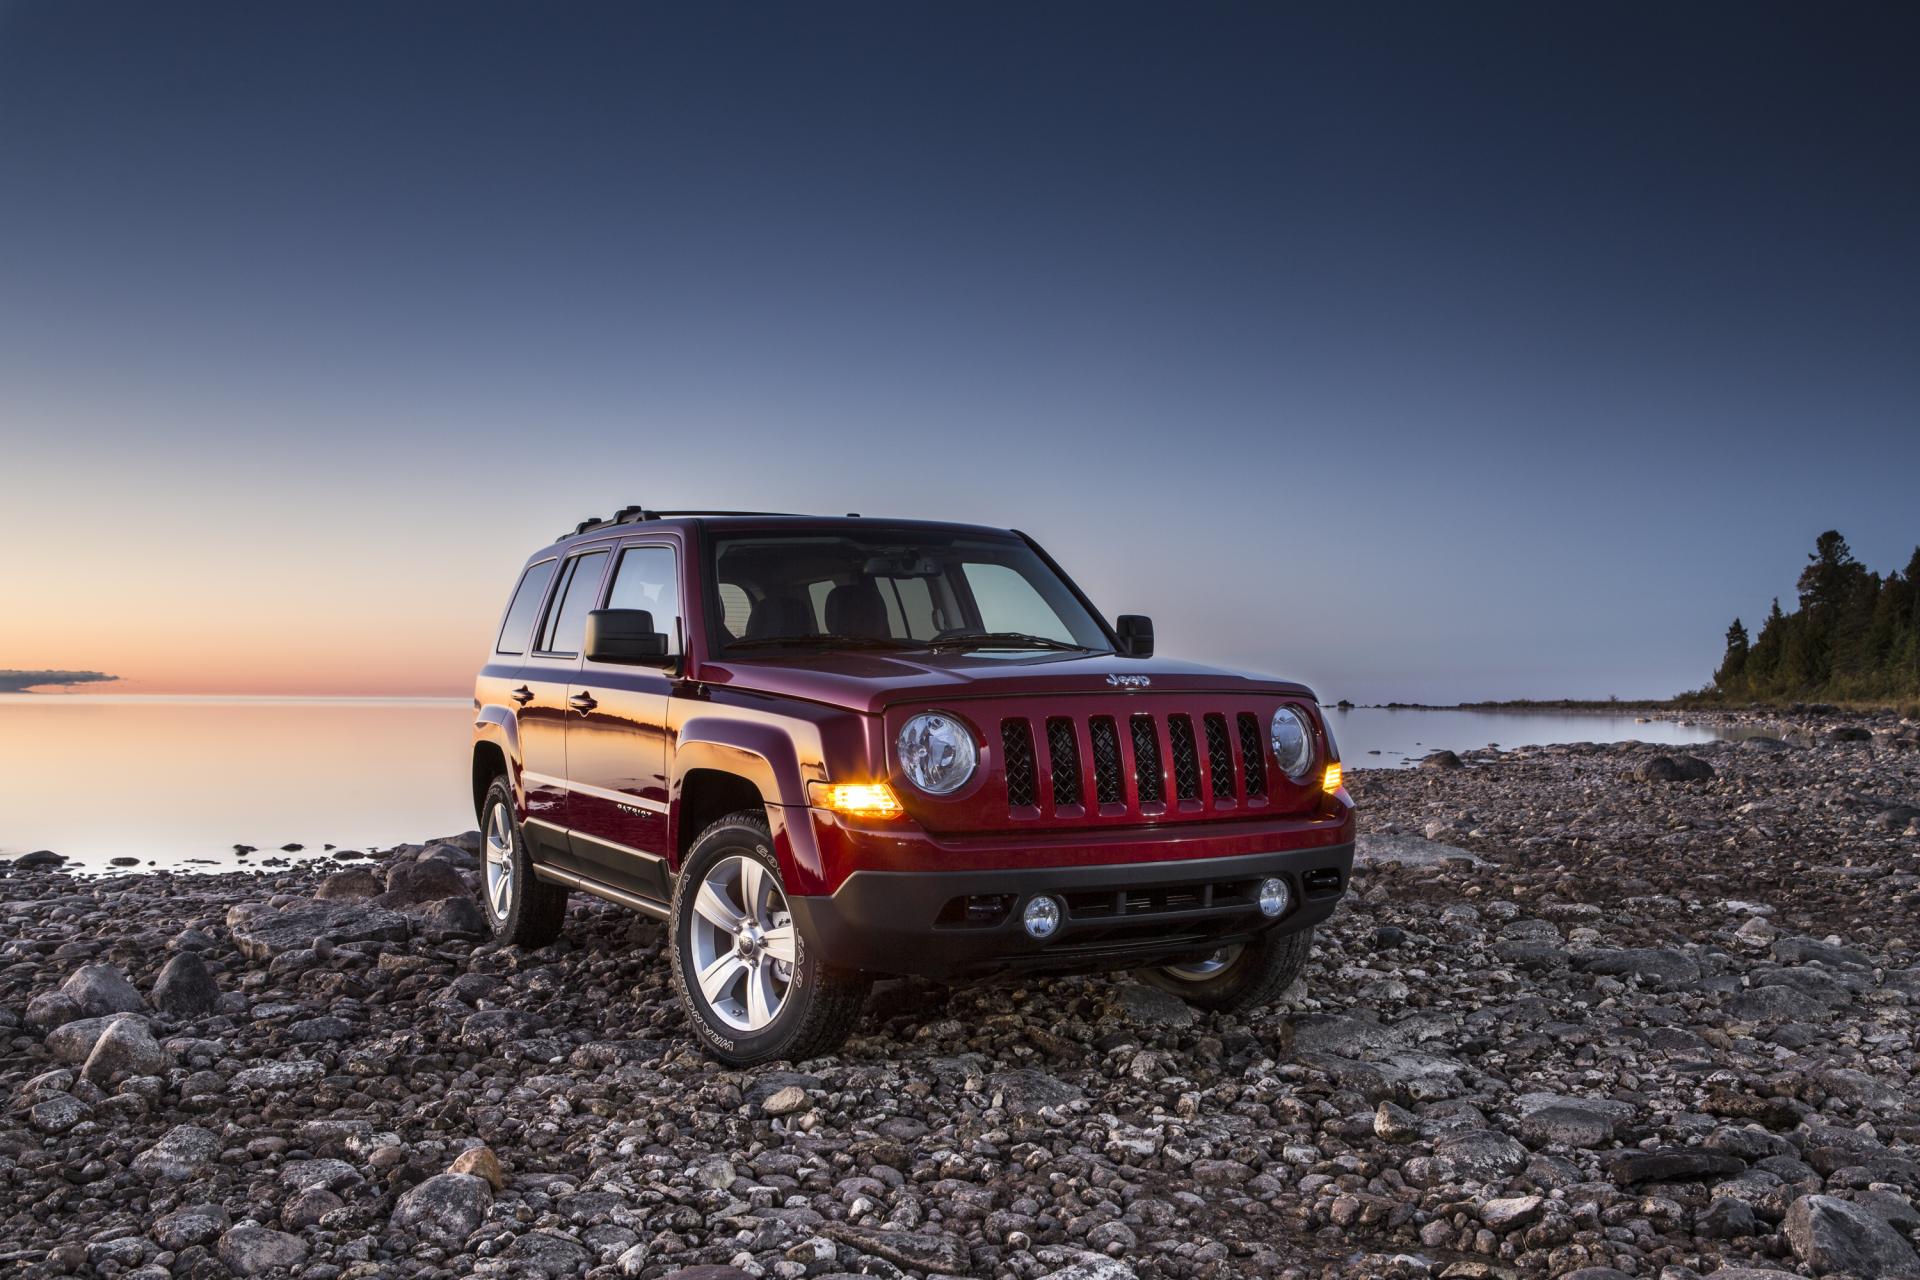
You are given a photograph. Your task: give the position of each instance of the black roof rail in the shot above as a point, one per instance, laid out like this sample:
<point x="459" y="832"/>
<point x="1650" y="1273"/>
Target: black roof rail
<point x="637" y="513"/>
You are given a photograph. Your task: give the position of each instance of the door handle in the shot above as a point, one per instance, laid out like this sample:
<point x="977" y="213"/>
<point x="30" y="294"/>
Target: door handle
<point x="582" y="702"/>
<point x="522" y="695"/>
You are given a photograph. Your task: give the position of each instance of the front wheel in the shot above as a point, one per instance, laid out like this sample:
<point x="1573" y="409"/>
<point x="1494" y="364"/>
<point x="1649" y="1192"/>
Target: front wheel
<point x="1238" y="977"/>
<point x="753" y="989"/>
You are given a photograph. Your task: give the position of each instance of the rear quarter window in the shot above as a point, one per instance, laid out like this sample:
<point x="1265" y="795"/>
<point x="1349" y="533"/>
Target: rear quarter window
<point x="517" y="631"/>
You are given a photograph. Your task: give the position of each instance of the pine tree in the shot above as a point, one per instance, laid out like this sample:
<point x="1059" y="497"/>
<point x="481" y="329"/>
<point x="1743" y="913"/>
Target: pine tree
<point x="1731" y="677"/>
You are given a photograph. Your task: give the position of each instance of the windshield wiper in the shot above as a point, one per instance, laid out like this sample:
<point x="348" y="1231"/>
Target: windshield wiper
<point x="1005" y="640"/>
<point x="823" y="642"/>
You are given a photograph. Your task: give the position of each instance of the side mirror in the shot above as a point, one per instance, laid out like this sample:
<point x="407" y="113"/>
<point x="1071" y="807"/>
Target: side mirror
<point x="1136" y="634"/>
<point x="625" y="636"/>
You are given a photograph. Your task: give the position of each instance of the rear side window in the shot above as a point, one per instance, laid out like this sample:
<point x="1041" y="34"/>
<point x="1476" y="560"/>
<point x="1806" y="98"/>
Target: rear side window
<point x="566" y="628"/>
<point x="649" y="579"/>
<point x="518" y="628"/>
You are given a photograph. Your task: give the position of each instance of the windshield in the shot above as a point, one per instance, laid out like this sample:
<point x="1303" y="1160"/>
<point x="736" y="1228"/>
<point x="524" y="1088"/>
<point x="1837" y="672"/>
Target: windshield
<point x="893" y="589"/>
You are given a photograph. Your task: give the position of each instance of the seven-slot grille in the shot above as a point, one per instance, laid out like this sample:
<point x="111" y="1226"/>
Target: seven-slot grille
<point x="1143" y="762"/>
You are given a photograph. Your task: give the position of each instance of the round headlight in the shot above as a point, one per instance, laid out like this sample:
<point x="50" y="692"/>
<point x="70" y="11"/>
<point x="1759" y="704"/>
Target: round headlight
<point x="936" y="753"/>
<point x="1292" y="742"/>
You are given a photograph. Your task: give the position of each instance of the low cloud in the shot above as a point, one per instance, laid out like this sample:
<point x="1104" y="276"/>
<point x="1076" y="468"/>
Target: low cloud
<point x="21" y="681"/>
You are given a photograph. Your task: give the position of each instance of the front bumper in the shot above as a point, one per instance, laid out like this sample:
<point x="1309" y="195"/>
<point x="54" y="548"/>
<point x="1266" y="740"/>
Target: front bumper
<point x="950" y="924"/>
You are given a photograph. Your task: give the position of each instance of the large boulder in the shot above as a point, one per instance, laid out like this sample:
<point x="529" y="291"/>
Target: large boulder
<point x="183" y="1154"/>
<point x="351" y="885"/>
<point x="262" y="931"/>
<point x="1829" y="1235"/>
<point x="447" y="1207"/>
<point x="100" y="989"/>
<point x="429" y="881"/>
<point x="125" y="1048"/>
<point x="250" y="1250"/>
<point x="185" y="987"/>
<point x="72" y="1042"/>
<point x="1670" y="769"/>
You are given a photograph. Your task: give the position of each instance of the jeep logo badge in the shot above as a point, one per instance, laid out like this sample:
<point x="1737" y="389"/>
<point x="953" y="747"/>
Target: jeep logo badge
<point x="1129" y="682"/>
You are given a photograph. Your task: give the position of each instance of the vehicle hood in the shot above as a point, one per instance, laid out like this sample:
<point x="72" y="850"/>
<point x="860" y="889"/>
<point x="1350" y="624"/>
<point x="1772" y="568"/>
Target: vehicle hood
<point x="871" y="682"/>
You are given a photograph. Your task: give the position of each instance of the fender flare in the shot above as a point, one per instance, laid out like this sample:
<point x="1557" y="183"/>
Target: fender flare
<point x="497" y="727"/>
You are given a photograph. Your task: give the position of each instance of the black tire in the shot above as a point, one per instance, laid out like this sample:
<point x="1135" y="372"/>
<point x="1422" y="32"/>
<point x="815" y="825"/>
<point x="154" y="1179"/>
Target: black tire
<point x="1257" y="976"/>
<point x="821" y="1005"/>
<point x="534" y="910"/>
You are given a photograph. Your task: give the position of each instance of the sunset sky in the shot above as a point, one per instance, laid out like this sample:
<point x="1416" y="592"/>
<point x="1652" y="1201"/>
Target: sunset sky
<point x="1419" y="352"/>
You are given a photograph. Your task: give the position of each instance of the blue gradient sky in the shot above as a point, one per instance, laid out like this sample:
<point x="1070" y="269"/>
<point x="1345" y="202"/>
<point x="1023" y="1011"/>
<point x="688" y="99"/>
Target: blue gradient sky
<point x="1421" y="352"/>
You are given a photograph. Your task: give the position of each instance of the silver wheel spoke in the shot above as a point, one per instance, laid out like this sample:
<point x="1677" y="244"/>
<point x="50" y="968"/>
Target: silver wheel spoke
<point x="780" y="944"/>
<point x="762" y="1000"/>
<point x="712" y="907"/>
<point x="753" y="889"/>
<point x="718" y="978"/>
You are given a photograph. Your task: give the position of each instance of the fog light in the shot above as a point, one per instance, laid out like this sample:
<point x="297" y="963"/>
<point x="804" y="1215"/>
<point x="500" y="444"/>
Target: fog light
<point x="1275" y="897"/>
<point x="1042" y="917"/>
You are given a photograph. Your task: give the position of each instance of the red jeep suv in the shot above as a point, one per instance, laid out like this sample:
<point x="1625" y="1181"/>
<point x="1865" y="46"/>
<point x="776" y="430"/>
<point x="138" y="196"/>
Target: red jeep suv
<point x="827" y="749"/>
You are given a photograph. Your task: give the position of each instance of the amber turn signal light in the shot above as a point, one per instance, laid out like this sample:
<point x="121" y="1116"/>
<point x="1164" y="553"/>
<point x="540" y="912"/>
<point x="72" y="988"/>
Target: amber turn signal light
<point x="858" y="799"/>
<point x="1330" y="782"/>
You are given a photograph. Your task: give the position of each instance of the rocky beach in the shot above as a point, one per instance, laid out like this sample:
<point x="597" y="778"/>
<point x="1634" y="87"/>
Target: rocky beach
<point x="1590" y="1011"/>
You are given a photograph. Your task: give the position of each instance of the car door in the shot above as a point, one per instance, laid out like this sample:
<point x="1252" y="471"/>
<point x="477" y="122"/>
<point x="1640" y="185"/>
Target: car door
<point x="618" y="744"/>
<point x="544" y="714"/>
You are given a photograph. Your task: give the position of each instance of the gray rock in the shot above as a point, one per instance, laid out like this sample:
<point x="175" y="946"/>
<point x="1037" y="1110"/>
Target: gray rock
<point x="1093" y="1267"/>
<point x="100" y="989"/>
<point x="184" y="1153"/>
<point x="1152" y="1007"/>
<point x="1660" y="966"/>
<point x="355" y="884"/>
<point x="58" y="1114"/>
<point x="1574" y="1122"/>
<point x="1673" y="1164"/>
<point x="262" y="931"/>
<point x="1727" y="1218"/>
<point x="184" y="1228"/>
<point x="429" y="881"/>
<point x="1670" y="769"/>
<point x="450" y="918"/>
<point x="1441" y="760"/>
<point x="306" y="1208"/>
<point x="71" y="1042"/>
<point x="1510" y="1213"/>
<point x="252" y="1250"/>
<point x="1475" y="1155"/>
<point x="1830" y="1234"/>
<point x="52" y="1009"/>
<point x="550" y="1252"/>
<point x="279" y="1075"/>
<point x="38" y="860"/>
<point x="447" y="1207"/>
<point x="921" y="1251"/>
<point x="1024" y="1091"/>
<point x="185" y="987"/>
<point x="125" y="1048"/>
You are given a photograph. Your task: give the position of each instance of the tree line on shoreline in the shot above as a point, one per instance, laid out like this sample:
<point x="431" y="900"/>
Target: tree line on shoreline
<point x="1855" y="637"/>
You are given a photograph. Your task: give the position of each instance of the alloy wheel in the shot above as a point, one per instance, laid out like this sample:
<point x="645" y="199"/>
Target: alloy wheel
<point x="498" y="856"/>
<point x="743" y="943"/>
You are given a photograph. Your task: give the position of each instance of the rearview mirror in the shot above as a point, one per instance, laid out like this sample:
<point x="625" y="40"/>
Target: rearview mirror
<point x="1136" y="634"/>
<point x="625" y="636"/>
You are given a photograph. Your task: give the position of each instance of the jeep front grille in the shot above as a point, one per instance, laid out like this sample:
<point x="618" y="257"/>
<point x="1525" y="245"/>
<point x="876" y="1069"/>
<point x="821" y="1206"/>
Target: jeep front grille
<point x="1220" y="758"/>
<point x="1063" y="754"/>
<point x="1154" y="765"/>
<point x="1186" y="758"/>
<point x="1253" y="754"/>
<point x="1016" y="739"/>
<point x="1107" y="786"/>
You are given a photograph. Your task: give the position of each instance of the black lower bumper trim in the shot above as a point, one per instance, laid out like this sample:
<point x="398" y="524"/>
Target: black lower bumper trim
<point x="947" y="924"/>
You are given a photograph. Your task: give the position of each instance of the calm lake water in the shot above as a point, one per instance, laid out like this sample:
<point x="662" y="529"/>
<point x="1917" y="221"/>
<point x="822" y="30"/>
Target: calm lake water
<point x="180" y="781"/>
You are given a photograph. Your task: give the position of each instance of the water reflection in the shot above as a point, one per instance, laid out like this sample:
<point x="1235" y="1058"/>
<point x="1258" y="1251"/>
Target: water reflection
<point x="180" y="781"/>
<point x="1382" y="737"/>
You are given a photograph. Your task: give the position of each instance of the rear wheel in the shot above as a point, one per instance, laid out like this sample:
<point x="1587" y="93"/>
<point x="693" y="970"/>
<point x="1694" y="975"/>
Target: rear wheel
<point x="523" y="911"/>
<point x="1237" y="977"/>
<point x="753" y="989"/>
